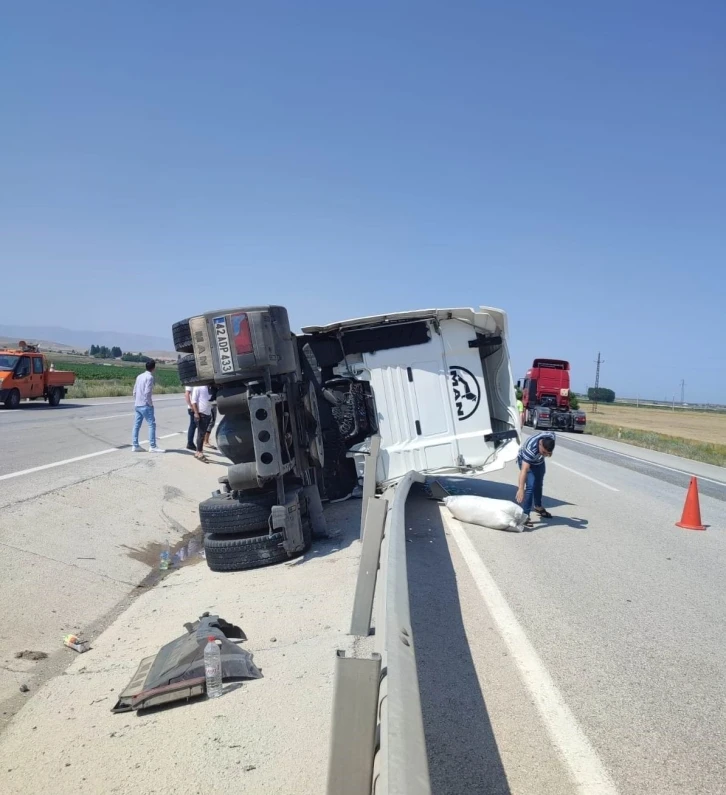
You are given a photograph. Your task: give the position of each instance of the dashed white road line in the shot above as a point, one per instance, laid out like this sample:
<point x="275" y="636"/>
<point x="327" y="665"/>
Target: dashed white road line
<point x="582" y="761"/>
<point x="587" y="477"/>
<point x="108" y="450"/>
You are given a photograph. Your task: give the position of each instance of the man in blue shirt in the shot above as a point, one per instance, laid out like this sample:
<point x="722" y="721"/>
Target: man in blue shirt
<point x="531" y="463"/>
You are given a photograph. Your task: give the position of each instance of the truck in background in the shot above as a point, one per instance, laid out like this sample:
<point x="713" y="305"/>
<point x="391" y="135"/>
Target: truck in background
<point x="546" y="397"/>
<point x="25" y="373"/>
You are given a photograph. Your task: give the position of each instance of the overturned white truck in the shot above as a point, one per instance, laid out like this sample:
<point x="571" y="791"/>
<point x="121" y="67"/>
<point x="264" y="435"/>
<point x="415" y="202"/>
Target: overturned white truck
<point x="435" y="385"/>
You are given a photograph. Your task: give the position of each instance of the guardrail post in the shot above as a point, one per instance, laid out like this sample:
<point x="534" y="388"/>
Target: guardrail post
<point x="353" y="731"/>
<point x="369" y="478"/>
<point x="365" y="585"/>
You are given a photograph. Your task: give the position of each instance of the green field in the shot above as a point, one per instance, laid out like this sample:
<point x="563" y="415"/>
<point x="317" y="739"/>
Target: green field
<point x="100" y="372"/>
<point x="112" y="380"/>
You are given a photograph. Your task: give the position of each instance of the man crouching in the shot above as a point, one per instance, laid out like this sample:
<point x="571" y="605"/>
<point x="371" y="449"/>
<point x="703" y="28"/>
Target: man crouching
<point x="531" y="463"/>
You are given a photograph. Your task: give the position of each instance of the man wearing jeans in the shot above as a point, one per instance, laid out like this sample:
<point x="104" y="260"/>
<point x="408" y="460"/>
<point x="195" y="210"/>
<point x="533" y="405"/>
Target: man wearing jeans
<point x="531" y="463"/>
<point x="144" y="407"/>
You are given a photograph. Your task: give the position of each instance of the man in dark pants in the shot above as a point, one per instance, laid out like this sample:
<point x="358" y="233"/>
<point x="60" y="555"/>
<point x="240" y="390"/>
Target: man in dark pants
<point x="192" y="421"/>
<point x="531" y="463"/>
<point x="201" y="399"/>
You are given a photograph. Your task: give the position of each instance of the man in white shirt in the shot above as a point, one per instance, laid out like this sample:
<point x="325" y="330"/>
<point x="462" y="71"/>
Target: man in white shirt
<point x="201" y="399"/>
<point x="144" y="408"/>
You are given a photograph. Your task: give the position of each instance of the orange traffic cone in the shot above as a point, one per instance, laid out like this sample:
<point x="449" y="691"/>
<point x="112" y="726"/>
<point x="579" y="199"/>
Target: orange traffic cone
<point x="691" y="519"/>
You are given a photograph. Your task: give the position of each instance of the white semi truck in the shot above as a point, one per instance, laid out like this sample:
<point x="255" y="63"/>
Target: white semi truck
<point x="435" y="385"/>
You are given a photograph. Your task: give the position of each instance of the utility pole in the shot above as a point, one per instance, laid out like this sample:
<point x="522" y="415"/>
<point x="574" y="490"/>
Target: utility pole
<point x="597" y="381"/>
<point x="683" y="391"/>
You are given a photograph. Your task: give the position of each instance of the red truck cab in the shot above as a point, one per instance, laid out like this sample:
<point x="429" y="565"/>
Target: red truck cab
<point x="26" y="374"/>
<point x="546" y="397"/>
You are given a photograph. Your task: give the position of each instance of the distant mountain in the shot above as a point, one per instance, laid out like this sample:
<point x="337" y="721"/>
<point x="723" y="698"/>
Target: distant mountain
<point x="49" y="336"/>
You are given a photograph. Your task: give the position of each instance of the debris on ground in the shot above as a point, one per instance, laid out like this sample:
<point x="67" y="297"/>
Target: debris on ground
<point x="30" y="655"/>
<point x="176" y="671"/>
<point x="24" y="688"/>
<point x="76" y="643"/>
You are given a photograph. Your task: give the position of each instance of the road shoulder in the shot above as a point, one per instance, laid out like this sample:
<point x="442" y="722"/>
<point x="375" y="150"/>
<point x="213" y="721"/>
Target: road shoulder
<point x="259" y="737"/>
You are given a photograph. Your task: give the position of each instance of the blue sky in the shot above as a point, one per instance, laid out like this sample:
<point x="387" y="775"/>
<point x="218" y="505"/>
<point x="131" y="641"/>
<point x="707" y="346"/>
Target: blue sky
<point x="564" y="161"/>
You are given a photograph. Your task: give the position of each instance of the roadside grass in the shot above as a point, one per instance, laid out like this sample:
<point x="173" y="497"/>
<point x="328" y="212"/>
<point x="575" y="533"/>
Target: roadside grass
<point x="84" y="388"/>
<point x="708" y="453"/>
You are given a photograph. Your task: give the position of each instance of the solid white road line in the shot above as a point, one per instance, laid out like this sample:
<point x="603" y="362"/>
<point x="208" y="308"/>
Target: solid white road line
<point x="107" y="417"/>
<point x="585" y="767"/>
<point x="587" y="477"/>
<point x="126" y="402"/>
<point x="108" y="450"/>
<point x="646" y="461"/>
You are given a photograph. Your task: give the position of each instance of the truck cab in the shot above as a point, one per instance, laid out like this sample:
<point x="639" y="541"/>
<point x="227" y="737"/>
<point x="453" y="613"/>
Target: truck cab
<point x="440" y="386"/>
<point x="546" y="397"/>
<point x="25" y="374"/>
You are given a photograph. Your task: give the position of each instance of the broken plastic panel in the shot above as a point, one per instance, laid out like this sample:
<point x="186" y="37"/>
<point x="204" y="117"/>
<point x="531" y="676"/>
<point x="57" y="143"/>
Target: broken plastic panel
<point x="176" y="671"/>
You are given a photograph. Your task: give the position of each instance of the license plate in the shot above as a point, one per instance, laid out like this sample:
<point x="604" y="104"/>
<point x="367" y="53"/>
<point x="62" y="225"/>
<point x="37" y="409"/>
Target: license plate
<point x="221" y="335"/>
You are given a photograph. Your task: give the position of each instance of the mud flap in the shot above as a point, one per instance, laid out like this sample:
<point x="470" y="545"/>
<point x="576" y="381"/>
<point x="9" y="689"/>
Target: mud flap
<point x="287" y="518"/>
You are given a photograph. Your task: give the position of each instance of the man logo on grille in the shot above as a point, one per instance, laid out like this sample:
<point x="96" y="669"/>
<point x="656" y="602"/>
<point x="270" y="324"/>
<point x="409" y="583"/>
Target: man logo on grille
<point x="467" y="393"/>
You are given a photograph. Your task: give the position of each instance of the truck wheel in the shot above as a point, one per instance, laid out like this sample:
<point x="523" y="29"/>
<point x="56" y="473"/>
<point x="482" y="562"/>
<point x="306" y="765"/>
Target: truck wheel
<point x="54" y="396"/>
<point x="535" y="422"/>
<point x="237" y="553"/>
<point x="182" y="337"/>
<point x="12" y="401"/>
<point x="187" y="367"/>
<point x="224" y="515"/>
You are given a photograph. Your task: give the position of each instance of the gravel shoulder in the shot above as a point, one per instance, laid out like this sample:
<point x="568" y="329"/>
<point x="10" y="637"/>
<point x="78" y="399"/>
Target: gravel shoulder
<point x="270" y="735"/>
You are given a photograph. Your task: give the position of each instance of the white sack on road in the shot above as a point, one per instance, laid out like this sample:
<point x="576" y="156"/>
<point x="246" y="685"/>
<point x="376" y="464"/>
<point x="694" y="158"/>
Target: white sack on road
<point x="497" y="514"/>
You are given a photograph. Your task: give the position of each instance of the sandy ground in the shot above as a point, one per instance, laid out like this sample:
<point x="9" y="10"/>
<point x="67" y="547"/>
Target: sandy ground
<point x="701" y="426"/>
<point x="266" y="736"/>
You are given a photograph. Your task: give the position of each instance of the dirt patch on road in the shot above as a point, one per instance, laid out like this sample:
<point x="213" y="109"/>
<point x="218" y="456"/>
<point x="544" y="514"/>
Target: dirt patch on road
<point x="701" y="426"/>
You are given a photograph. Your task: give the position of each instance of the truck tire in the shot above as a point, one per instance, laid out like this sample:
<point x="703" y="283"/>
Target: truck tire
<point x="535" y="422"/>
<point x="224" y="514"/>
<point x="12" y="401"/>
<point x="182" y="336"/>
<point x="237" y="553"/>
<point x="187" y="367"/>
<point x="54" y="396"/>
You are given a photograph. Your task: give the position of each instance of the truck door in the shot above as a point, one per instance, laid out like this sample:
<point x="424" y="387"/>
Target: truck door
<point x="22" y="377"/>
<point x="37" y="383"/>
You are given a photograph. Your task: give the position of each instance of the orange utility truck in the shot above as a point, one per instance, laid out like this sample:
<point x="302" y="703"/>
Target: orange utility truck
<point x="26" y="373"/>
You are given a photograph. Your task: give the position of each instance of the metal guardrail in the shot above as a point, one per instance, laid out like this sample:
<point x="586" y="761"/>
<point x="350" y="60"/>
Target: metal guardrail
<point x="378" y="745"/>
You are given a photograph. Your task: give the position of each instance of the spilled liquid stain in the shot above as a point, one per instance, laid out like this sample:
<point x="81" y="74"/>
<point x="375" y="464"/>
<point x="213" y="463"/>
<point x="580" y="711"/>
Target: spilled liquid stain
<point x="150" y="554"/>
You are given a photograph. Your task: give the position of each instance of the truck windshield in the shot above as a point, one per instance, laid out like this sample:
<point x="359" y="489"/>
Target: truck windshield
<point x="8" y="362"/>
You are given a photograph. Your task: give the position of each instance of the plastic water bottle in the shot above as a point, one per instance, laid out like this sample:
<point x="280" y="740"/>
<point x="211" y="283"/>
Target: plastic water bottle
<point x="213" y="668"/>
<point x="164" y="558"/>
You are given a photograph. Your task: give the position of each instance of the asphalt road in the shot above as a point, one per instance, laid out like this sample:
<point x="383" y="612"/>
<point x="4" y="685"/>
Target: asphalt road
<point x="585" y="656"/>
<point x="82" y="519"/>
<point x="37" y="434"/>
